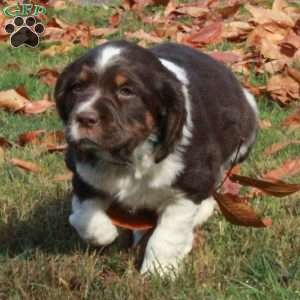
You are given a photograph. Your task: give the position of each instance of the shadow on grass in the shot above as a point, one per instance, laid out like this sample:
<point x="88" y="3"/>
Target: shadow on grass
<point x="45" y="228"/>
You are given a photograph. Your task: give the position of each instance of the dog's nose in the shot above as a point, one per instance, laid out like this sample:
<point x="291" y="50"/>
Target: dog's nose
<point x="87" y="119"/>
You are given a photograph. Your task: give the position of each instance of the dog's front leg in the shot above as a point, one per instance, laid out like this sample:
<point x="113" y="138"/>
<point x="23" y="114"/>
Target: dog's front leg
<point x="172" y="239"/>
<point x="91" y="222"/>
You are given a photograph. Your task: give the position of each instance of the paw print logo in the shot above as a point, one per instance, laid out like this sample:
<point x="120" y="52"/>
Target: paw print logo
<point x="24" y="31"/>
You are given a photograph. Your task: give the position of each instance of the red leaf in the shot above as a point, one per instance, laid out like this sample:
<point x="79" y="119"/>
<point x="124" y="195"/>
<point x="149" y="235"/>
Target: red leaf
<point x="141" y="220"/>
<point x="274" y="188"/>
<point x="209" y="34"/>
<point x="26" y="165"/>
<point x="237" y="211"/>
<point x="289" y="168"/>
<point x="293" y="119"/>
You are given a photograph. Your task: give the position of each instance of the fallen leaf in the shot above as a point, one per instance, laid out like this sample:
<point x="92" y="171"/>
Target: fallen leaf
<point x="270" y="186"/>
<point x="64" y="177"/>
<point x="52" y="141"/>
<point x="192" y="11"/>
<point x="99" y="32"/>
<point x="145" y="36"/>
<point x="12" y="101"/>
<point x="48" y="76"/>
<point x="26" y="165"/>
<point x="225" y="57"/>
<point x="293" y="120"/>
<point x="37" y="107"/>
<point x="237" y="211"/>
<point x="264" y="124"/>
<point x="141" y="220"/>
<point x="289" y="168"/>
<point x="4" y="143"/>
<point x="262" y="15"/>
<point x="279" y="146"/>
<point x="208" y="34"/>
<point x="294" y="73"/>
<point x="283" y="88"/>
<point x="57" y="49"/>
<point x="114" y="20"/>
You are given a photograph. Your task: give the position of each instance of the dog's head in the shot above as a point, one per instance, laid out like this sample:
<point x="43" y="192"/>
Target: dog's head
<point x="116" y="96"/>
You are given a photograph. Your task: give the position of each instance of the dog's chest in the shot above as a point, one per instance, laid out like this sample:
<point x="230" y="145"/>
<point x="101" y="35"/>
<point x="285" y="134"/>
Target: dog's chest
<point x="145" y="185"/>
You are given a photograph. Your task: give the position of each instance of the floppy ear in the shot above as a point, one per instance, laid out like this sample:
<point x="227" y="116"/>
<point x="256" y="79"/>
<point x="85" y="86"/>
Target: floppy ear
<point x="173" y="117"/>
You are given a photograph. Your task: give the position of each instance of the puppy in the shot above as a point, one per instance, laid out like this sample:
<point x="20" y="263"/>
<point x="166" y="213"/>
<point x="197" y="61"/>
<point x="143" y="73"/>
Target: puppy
<point x="151" y="128"/>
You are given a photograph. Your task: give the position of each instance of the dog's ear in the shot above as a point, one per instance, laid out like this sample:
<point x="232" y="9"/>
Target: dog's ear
<point x="172" y="117"/>
<point x="63" y="104"/>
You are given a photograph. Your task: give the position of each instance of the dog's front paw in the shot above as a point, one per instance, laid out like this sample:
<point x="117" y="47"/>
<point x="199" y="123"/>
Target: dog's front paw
<point x="92" y="224"/>
<point x="162" y="266"/>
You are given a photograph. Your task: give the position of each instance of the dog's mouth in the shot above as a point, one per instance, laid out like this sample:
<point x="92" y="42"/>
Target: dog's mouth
<point x="111" y="157"/>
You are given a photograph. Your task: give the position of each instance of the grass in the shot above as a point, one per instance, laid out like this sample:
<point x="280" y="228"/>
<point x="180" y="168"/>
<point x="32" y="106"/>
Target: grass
<point x="41" y="257"/>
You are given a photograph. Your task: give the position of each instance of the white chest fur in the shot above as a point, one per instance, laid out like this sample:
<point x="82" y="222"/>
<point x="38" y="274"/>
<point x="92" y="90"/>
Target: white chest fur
<point x="145" y="184"/>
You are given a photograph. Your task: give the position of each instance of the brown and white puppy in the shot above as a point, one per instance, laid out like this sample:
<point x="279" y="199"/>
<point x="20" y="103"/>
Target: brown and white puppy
<point x="151" y="128"/>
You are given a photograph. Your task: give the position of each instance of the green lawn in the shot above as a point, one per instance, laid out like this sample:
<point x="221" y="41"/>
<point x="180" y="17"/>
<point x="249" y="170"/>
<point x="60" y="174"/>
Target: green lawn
<point x="41" y="256"/>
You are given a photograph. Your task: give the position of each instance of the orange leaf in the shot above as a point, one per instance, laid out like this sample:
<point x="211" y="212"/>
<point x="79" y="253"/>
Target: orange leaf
<point x="38" y="107"/>
<point x="225" y="57"/>
<point x="26" y="165"/>
<point x="274" y="188"/>
<point x="290" y="167"/>
<point x="208" y="34"/>
<point x="48" y="76"/>
<point x="29" y="137"/>
<point x="64" y="177"/>
<point x="11" y="100"/>
<point x="237" y="211"/>
<point x="292" y="120"/>
<point x="279" y="146"/>
<point x="141" y="220"/>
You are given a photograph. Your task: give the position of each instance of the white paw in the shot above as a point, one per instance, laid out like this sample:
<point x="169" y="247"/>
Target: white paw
<point x="165" y="258"/>
<point x="164" y="267"/>
<point x="92" y="224"/>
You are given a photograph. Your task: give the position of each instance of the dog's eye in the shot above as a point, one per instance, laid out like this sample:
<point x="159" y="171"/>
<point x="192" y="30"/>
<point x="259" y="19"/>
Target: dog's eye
<point x="77" y="87"/>
<point x="125" y="91"/>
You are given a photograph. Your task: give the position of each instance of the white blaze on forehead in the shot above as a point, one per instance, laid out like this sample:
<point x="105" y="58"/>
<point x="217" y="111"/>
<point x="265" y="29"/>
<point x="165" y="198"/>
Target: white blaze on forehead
<point x="107" y="56"/>
<point x="87" y="105"/>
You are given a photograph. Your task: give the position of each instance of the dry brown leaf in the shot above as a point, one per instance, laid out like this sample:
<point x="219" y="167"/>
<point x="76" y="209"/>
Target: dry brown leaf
<point x="208" y="34"/>
<point x="11" y="100"/>
<point x="26" y="165"/>
<point x="4" y="143"/>
<point x="294" y="73"/>
<point x="48" y="76"/>
<point x="145" y="36"/>
<point x="279" y="146"/>
<point x="103" y="32"/>
<point x="270" y="186"/>
<point x="37" y="107"/>
<point x="64" y="177"/>
<point x="289" y="168"/>
<point x="57" y="49"/>
<point x="283" y="88"/>
<point x="192" y="11"/>
<point x="262" y="15"/>
<point x="225" y="57"/>
<point x="264" y="124"/>
<point x="290" y="44"/>
<point x="293" y="120"/>
<point x="42" y="137"/>
<point x="237" y="30"/>
<point x="237" y="211"/>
